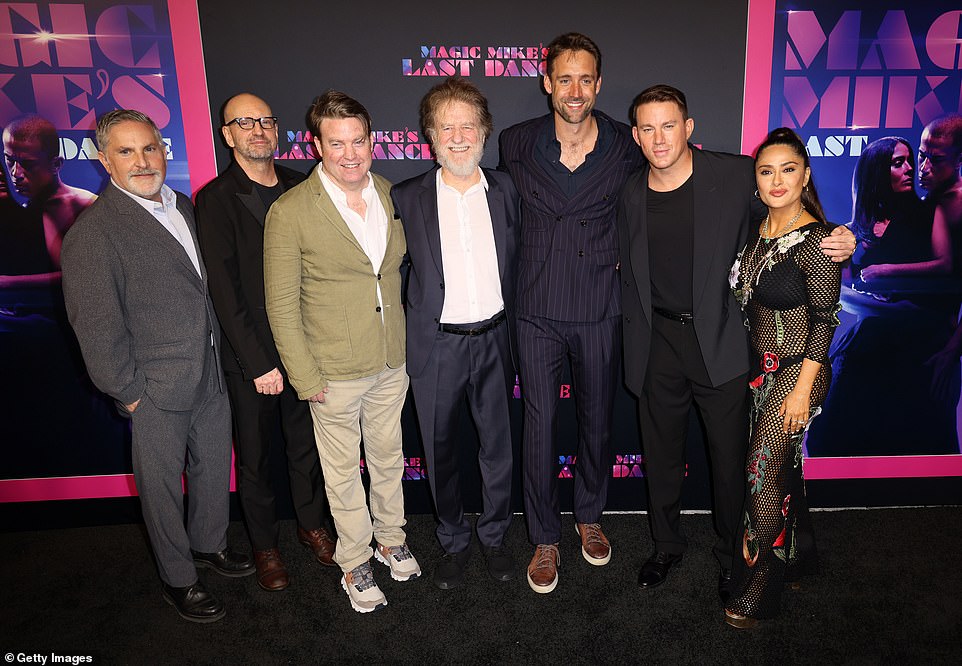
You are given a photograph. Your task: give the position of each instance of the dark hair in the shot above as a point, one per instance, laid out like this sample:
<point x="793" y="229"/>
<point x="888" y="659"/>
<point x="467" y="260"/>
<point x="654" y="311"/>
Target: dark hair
<point x="336" y="105"/>
<point x="786" y="137"/>
<point x="948" y="126"/>
<point x="572" y="41"/>
<point x="35" y="127"/>
<point x="658" y="93"/>
<point x="455" y="89"/>
<point x="872" y="195"/>
<point x="110" y="119"/>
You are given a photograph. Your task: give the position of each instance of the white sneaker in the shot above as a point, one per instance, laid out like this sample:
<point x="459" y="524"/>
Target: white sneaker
<point x="400" y="560"/>
<point x="361" y="589"/>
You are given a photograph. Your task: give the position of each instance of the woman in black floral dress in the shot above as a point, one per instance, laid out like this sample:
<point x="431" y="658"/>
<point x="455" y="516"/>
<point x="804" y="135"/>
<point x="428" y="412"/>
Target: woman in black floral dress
<point x="789" y="291"/>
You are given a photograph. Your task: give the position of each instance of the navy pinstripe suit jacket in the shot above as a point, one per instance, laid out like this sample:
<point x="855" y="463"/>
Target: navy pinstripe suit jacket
<point x="569" y="246"/>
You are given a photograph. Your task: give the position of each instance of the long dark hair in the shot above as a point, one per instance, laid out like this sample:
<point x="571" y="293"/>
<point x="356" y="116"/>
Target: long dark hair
<point x="872" y="195"/>
<point x="786" y="137"/>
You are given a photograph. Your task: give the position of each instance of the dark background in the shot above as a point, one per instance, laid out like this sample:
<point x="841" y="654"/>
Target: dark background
<point x="696" y="45"/>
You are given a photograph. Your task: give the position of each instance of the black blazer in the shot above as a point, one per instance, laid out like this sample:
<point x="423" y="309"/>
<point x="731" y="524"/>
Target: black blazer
<point x="723" y="190"/>
<point x="416" y="202"/>
<point x="230" y="228"/>
<point x="569" y="246"/>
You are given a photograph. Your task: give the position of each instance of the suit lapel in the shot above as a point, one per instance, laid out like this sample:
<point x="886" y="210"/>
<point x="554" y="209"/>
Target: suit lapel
<point x="499" y="223"/>
<point x="705" y="226"/>
<point x="428" y="200"/>
<point x="638" y="240"/>
<point x="153" y="229"/>
<point x="328" y="210"/>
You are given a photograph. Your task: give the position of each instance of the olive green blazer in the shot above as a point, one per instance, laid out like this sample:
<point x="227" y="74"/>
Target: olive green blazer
<point x="321" y="290"/>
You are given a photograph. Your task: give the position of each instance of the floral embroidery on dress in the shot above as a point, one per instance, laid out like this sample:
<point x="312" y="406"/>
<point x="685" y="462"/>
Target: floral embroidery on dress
<point x="756" y="469"/>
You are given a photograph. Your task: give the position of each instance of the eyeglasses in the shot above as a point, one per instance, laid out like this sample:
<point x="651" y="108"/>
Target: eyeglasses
<point x="267" y="122"/>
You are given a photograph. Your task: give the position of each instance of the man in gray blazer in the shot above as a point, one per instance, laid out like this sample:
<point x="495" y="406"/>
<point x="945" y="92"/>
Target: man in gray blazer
<point x="136" y="294"/>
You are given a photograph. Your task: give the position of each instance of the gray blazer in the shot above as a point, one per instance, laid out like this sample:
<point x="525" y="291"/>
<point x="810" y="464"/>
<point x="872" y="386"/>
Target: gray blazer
<point x="140" y="310"/>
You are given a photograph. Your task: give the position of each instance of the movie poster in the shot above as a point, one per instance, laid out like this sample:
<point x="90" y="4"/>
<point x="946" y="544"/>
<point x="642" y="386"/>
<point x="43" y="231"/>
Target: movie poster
<point x="871" y="88"/>
<point x="61" y="66"/>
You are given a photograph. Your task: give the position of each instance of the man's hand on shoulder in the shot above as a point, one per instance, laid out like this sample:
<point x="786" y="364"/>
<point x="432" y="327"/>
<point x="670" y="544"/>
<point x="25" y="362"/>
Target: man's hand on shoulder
<point x="839" y="245"/>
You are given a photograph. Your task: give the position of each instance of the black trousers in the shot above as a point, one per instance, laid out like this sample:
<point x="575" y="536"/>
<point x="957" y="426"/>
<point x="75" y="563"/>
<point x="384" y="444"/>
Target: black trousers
<point x="677" y="377"/>
<point x="255" y="420"/>
<point x="478" y="369"/>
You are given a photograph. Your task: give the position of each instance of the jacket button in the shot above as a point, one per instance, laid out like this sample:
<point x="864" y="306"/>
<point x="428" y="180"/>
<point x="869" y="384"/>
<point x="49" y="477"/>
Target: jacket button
<point x="584" y="223"/>
<point x="581" y="253"/>
<point x="558" y="219"/>
<point x="378" y="276"/>
<point x="377" y="309"/>
<point x="442" y="285"/>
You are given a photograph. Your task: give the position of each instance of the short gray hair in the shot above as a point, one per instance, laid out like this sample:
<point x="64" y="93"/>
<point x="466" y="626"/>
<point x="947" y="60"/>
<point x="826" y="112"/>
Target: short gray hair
<point x="110" y="119"/>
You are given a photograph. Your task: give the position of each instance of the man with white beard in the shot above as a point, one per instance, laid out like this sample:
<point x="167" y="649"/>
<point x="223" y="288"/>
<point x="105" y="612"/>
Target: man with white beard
<point x="463" y="233"/>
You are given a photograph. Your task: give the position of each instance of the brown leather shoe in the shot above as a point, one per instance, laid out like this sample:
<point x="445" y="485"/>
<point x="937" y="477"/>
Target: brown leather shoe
<point x="320" y="542"/>
<point x="543" y="569"/>
<point x="271" y="572"/>
<point x="594" y="544"/>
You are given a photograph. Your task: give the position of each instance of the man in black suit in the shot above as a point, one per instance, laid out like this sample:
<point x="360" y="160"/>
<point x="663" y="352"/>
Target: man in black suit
<point x="681" y="221"/>
<point x="568" y="167"/>
<point x="230" y="216"/>
<point x="135" y="287"/>
<point x="462" y="229"/>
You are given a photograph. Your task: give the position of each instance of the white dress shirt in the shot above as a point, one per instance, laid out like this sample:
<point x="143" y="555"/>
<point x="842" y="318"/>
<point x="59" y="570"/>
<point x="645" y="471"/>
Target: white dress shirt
<point x="472" y="282"/>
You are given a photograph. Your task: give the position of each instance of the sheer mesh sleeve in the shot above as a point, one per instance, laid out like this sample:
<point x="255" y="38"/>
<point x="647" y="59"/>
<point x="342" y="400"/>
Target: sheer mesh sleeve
<point x="823" y="279"/>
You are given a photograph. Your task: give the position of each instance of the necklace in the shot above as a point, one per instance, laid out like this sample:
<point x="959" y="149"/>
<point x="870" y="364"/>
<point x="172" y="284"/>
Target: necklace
<point x="791" y="223"/>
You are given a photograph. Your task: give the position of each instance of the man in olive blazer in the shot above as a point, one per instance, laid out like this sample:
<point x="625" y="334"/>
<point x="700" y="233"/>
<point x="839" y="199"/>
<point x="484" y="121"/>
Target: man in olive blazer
<point x="332" y="281"/>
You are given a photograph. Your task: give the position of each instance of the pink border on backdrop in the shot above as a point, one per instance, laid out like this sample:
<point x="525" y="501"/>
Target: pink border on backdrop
<point x="758" y="73"/>
<point x="199" y="149"/>
<point x="755" y="114"/>
<point x="192" y="83"/>
<point x="103" y="486"/>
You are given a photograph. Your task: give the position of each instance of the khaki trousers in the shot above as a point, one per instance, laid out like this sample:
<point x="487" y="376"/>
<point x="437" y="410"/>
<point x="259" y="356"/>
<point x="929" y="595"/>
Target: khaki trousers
<point x="369" y="407"/>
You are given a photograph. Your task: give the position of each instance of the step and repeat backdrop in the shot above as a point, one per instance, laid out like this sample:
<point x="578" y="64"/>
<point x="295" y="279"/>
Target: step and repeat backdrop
<point x="858" y="81"/>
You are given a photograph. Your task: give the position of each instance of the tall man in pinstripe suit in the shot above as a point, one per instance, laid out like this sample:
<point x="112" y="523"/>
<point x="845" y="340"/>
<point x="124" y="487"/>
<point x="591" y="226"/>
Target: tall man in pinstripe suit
<point x="568" y="167"/>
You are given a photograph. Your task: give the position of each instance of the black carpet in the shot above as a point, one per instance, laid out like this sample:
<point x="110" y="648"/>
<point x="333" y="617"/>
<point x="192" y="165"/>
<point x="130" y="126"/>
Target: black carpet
<point x="889" y="591"/>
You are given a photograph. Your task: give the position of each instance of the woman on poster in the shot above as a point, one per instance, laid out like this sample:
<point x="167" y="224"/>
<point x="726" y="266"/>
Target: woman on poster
<point x="789" y="291"/>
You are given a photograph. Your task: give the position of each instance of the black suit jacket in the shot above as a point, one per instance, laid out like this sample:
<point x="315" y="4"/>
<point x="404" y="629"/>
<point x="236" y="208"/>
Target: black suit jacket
<point x="416" y="202"/>
<point x="724" y="201"/>
<point x="569" y="246"/>
<point x="230" y="228"/>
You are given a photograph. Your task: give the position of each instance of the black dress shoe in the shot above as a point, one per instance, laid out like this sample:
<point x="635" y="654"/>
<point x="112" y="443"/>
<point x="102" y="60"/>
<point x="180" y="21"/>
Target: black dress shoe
<point x="194" y="603"/>
<point x="655" y="570"/>
<point x="232" y="565"/>
<point x="725" y="585"/>
<point x="449" y="573"/>
<point x="501" y="566"/>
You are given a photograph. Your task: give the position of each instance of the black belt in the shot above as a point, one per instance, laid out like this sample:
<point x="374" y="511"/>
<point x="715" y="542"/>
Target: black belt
<point x="494" y="322"/>
<point x="681" y="317"/>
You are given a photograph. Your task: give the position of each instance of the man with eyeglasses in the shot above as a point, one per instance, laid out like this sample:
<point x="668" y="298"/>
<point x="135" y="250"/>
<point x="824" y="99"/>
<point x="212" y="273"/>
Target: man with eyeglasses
<point x="230" y="227"/>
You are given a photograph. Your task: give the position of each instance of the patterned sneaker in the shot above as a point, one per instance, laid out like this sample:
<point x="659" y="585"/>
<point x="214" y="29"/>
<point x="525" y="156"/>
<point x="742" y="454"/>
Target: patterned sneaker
<point x="594" y="544"/>
<point x="400" y="560"/>
<point x="361" y="589"/>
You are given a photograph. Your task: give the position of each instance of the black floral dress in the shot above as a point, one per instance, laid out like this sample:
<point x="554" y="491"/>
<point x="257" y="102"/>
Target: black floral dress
<point x="789" y="291"/>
